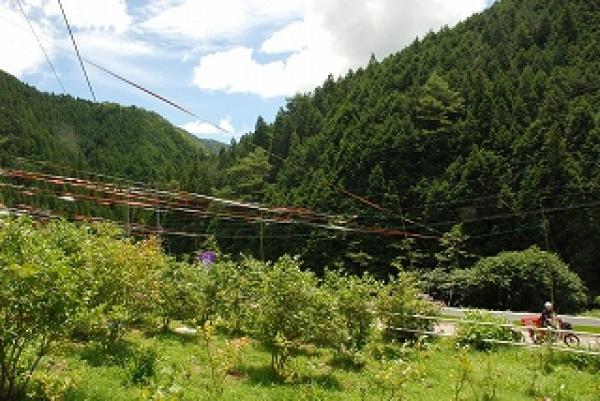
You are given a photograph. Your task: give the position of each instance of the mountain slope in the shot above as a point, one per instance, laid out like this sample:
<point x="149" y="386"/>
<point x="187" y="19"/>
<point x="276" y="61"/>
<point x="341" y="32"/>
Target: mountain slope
<point x="105" y="137"/>
<point x="494" y="124"/>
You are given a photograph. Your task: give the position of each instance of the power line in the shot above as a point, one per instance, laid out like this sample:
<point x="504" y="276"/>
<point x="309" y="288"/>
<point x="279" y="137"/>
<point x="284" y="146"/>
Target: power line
<point x="156" y="95"/>
<point x="154" y="203"/>
<point x="77" y="50"/>
<point x="121" y="78"/>
<point x="41" y="45"/>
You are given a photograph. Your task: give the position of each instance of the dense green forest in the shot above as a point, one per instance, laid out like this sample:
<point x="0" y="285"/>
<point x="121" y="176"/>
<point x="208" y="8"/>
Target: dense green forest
<point x="107" y="138"/>
<point x="493" y="125"/>
<point x="484" y="137"/>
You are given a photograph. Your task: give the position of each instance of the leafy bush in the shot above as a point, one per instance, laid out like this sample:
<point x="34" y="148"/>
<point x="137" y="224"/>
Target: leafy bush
<point x="399" y="301"/>
<point x="48" y="385"/>
<point x="121" y="282"/>
<point x="182" y="286"/>
<point x="222" y="359"/>
<point x="292" y="310"/>
<point x="355" y="298"/>
<point x="579" y="361"/>
<point x="230" y="292"/>
<point x="479" y="327"/>
<point x="511" y="280"/>
<point x="141" y="368"/>
<point x="37" y="302"/>
<point x="523" y="281"/>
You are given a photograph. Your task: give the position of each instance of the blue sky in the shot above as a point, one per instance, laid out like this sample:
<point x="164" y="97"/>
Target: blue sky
<point x="227" y="61"/>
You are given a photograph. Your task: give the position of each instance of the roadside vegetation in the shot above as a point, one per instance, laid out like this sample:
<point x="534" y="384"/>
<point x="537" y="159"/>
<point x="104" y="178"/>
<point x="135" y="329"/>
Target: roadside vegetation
<point x="89" y="315"/>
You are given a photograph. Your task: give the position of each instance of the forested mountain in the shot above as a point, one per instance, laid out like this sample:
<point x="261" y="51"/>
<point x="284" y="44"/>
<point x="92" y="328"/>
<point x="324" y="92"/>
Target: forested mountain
<point x="489" y="131"/>
<point x="101" y="137"/>
<point x="484" y="138"/>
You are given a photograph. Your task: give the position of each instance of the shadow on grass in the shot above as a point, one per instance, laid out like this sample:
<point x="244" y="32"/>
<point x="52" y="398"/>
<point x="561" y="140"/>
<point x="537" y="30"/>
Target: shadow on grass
<point x="264" y="376"/>
<point x="346" y="363"/>
<point x="100" y="354"/>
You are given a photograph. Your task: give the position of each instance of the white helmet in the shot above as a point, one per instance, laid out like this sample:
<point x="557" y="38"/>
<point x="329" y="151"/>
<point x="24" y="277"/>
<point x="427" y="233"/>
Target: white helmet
<point x="548" y="305"/>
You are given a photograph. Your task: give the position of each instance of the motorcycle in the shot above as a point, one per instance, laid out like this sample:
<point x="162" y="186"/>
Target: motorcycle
<point x="562" y="331"/>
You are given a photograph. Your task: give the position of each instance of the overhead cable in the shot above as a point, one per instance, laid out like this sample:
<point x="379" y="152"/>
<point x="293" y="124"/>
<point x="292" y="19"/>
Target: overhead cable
<point x="87" y="79"/>
<point x="39" y="42"/>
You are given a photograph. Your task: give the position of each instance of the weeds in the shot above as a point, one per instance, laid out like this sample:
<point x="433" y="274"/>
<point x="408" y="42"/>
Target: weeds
<point x="464" y="374"/>
<point x="222" y="360"/>
<point x="489" y="384"/>
<point x="141" y="369"/>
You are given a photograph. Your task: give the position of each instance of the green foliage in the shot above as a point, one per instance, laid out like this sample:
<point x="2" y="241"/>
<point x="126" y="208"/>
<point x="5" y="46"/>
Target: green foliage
<point x="438" y="106"/>
<point x="222" y="359"/>
<point x="142" y="365"/>
<point x="522" y="281"/>
<point x="479" y="330"/>
<point x="103" y="137"/>
<point x="50" y="386"/>
<point x="400" y="309"/>
<point x="464" y="374"/>
<point x="390" y="379"/>
<point x="355" y="297"/>
<point x="38" y="300"/>
<point x="246" y="180"/>
<point x="181" y="291"/>
<point x="452" y="254"/>
<point x="230" y="292"/>
<point x="490" y="124"/>
<point x="292" y="311"/>
<point x="122" y="281"/>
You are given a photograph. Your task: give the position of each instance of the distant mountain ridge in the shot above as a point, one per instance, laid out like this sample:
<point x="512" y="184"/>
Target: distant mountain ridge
<point x="102" y="137"/>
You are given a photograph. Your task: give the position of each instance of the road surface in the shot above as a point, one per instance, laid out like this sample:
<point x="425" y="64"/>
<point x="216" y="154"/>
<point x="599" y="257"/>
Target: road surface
<point x="588" y="341"/>
<point x="512" y="316"/>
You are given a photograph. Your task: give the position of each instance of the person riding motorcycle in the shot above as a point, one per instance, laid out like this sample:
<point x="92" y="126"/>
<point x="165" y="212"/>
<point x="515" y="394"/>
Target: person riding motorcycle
<point x="548" y="316"/>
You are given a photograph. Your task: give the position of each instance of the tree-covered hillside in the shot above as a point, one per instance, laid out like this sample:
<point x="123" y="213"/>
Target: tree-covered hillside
<point x="494" y="124"/>
<point x="106" y="137"/>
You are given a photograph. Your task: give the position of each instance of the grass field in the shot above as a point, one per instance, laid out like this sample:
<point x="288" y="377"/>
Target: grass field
<point x="187" y="369"/>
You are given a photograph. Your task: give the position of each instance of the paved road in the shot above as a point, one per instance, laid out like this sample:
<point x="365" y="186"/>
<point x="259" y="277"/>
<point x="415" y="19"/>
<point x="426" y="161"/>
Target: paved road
<point x="511" y="316"/>
<point x="448" y="329"/>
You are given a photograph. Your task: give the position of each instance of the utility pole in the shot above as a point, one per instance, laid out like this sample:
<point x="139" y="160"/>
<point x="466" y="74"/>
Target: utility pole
<point x="128" y="217"/>
<point x="546" y="229"/>
<point x="262" y="238"/>
<point x="407" y="244"/>
<point x="157" y="210"/>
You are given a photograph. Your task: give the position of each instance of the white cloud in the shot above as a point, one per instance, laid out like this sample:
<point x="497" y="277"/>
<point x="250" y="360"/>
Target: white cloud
<point x="331" y="37"/>
<point x="19" y="52"/>
<point x="385" y="26"/>
<point x="292" y="38"/>
<point x="237" y="71"/>
<point x="93" y="14"/>
<point x="100" y="43"/>
<point x="102" y="33"/>
<point x="219" y="19"/>
<point x="205" y="129"/>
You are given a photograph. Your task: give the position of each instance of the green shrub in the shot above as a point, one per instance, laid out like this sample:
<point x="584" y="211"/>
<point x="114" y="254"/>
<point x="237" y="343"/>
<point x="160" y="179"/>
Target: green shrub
<point x="142" y="366"/>
<point x="478" y="327"/>
<point x="38" y="300"/>
<point x="48" y="385"/>
<point x="519" y="281"/>
<point x="355" y="298"/>
<point x="398" y="303"/>
<point x="579" y="361"/>
<point x="122" y="281"/>
<point x="182" y="286"/>
<point x="292" y="311"/>
<point x="230" y="292"/>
